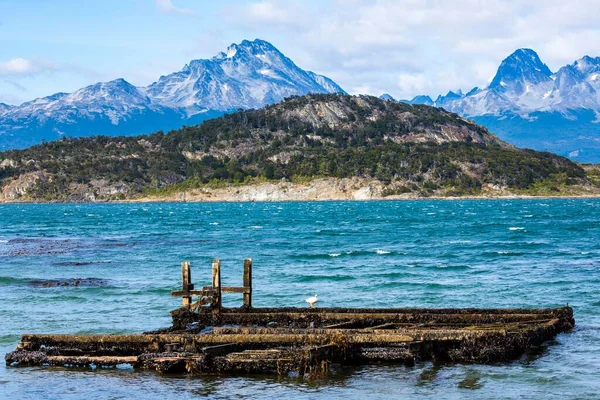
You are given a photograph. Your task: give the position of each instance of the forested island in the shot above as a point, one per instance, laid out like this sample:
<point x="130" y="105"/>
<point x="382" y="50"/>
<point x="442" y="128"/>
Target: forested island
<point x="319" y="146"/>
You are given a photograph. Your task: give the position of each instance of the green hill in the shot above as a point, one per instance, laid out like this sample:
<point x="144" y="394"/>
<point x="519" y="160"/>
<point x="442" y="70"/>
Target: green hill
<point x="408" y="148"/>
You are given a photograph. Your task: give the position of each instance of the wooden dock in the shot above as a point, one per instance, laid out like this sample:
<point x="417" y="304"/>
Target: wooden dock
<point x="207" y="338"/>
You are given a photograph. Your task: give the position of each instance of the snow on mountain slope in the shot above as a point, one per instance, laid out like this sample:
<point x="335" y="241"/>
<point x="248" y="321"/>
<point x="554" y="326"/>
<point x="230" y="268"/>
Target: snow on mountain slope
<point x="524" y="85"/>
<point x="4" y="108"/>
<point x="528" y="105"/>
<point x="116" y="99"/>
<point x="248" y="75"/>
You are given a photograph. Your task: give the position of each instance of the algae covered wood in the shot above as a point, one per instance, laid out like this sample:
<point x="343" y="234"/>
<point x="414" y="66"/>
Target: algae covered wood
<point x="305" y="341"/>
<point x="247" y="280"/>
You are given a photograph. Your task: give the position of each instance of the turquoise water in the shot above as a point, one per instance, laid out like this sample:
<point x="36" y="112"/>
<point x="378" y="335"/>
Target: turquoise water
<point x="494" y="253"/>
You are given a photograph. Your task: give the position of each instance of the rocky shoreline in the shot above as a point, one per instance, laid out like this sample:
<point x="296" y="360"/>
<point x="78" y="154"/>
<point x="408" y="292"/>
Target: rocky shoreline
<point x="322" y="189"/>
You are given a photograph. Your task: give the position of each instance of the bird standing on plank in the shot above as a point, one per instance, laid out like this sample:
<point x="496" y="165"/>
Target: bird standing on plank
<point x="312" y="301"/>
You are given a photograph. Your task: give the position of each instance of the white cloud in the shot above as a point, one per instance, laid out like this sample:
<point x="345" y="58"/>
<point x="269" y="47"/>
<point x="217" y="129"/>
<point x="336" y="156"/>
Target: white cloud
<point x="167" y="6"/>
<point x="267" y="11"/>
<point x="23" y="67"/>
<point x="410" y="47"/>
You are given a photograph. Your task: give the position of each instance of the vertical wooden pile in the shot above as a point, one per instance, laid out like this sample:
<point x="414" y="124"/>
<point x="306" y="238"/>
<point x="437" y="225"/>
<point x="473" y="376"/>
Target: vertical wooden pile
<point x="248" y="283"/>
<point x="186" y="284"/>
<point x="216" y="284"/>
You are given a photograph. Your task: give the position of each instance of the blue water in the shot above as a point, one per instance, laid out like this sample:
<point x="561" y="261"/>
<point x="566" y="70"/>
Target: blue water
<point x="494" y="253"/>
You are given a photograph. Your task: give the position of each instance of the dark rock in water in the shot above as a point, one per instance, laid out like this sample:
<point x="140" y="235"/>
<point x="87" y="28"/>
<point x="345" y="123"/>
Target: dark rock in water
<point x="36" y="246"/>
<point x="471" y="381"/>
<point x="73" y="263"/>
<point x="79" y="263"/>
<point x="69" y="282"/>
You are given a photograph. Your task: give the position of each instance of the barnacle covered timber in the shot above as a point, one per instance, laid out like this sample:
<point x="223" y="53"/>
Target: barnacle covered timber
<point x="304" y="341"/>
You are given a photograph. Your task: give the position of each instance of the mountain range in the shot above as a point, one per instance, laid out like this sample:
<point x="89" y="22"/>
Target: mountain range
<point x="525" y="103"/>
<point x="248" y="75"/>
<point x="530" y="106"/>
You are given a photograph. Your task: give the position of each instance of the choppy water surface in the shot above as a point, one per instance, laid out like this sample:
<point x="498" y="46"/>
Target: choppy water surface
<point x="495" y="253"/>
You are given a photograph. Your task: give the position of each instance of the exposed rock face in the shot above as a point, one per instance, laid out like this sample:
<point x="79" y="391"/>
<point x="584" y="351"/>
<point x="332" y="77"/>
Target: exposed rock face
<point x="20" y="187"/>
<point x="318" y="189"/>
<point x="7" y="163"/>
<point x="345" y="113"/>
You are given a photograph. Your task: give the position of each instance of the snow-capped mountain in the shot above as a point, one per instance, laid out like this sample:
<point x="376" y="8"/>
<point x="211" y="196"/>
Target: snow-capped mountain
<point x="530" y="106"/>
<point x="248" y="75"/>
<point x="116" y="100"/>
<point x="4" y="108"/>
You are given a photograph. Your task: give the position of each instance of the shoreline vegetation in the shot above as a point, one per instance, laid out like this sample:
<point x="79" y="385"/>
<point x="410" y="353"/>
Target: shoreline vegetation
<point x="322" y="189"/>
<point x="316" y="147"/>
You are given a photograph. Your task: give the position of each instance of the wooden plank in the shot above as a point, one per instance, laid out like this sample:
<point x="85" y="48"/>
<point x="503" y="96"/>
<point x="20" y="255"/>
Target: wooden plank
<point x="340" y="325"/>
<point x="89" y="360"/>
<point x="216" y="282"/>
<point x="234" y="289"/>
<point x="248" y="282"/>
<point x="220" y="349"/>
<point x="179" y="293"/>
<point x="144" y="342"/>
<point x="388" y="325"/>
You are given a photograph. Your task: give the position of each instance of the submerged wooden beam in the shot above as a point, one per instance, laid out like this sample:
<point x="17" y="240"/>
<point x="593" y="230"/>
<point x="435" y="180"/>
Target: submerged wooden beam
<point x="479" y="336"/>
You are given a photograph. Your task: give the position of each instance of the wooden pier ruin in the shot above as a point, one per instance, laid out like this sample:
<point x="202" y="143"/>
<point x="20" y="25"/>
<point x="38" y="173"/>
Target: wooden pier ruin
<point x="208" y="338"/>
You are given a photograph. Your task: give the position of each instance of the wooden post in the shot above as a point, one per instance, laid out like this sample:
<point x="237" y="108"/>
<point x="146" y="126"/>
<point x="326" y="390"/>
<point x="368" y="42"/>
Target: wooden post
<point x="186" y="283"/>
<point x="248" y="283"/>
<point x="216" y="282"/>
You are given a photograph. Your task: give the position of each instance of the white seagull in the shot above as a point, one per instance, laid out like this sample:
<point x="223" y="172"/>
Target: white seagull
<point x="312" y="301"/>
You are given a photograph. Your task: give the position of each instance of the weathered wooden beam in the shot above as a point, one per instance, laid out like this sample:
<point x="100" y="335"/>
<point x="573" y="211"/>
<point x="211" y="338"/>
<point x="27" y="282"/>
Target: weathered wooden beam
<point x="248" y="283"/>
<point x="146" y="343"/>
<point x="186" y="283"/>
<point x="220" y="349"/>
<point x="216" y="282"/>
<point x="87" y="360"/>
<point x="235" y="289"/>
<point x="345" y="324"/>
<point x="387" y="325"/>
<point x="179" y="293"/>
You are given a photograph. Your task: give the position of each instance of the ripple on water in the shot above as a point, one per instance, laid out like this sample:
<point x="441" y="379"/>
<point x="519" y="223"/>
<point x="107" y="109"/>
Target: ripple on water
<point x="501" y="253"/>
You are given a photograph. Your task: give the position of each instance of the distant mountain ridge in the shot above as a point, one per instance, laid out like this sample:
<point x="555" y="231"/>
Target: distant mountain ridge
<point x="399" y="148"/>
<point x="530" y="106"/>
<point x="251" y="74"/>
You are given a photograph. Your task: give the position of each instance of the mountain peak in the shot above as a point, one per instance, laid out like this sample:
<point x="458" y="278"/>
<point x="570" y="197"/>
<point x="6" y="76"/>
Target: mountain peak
<point x="423" y="99"/>
<point x="587" y="64"/>
<point x="4" y="108"/>
<point x="386" y="96"/>
<point x="253" y="47"/>
<point x="250" y="74"/>
<point x="522" y="68"/>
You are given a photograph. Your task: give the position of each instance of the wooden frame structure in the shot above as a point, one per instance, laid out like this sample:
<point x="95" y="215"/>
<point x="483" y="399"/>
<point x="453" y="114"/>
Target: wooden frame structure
<point x="207" y="338"/>
<point x="212" y="295"/>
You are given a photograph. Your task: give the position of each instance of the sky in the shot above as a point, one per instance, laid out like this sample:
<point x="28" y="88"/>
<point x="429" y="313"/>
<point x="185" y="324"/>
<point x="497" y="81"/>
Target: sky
<point x="401" y="47"/>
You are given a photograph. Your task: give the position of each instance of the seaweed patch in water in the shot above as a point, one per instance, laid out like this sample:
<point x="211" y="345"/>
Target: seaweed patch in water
<point x="75" y="282"/>
<point x="79" y="263"/>
<point x="37" y="246"/>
